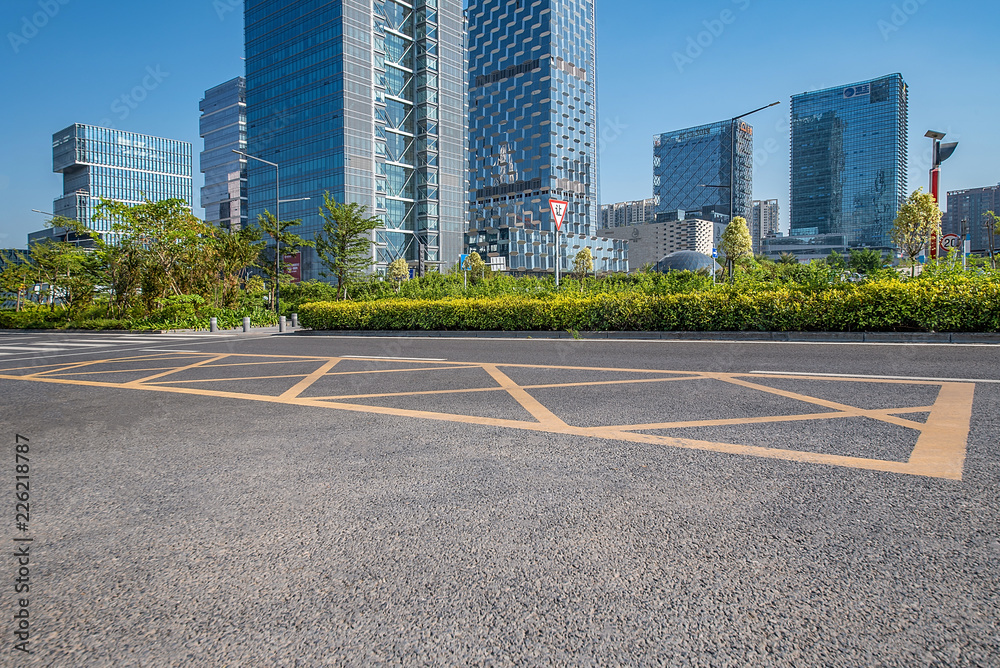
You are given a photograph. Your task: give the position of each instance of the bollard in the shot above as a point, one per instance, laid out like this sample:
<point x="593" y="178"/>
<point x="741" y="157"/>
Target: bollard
<point x="246" y="325"/>
<point x="213" y="324"/>
<point x="281" y="324"/>
<point x="295" y="320"/>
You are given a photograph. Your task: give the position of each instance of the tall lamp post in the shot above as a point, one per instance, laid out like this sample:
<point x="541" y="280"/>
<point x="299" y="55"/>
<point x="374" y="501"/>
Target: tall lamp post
<point x="732" y="153"/>
<point x="277" y="220"/>
<point x="939" y="153"/>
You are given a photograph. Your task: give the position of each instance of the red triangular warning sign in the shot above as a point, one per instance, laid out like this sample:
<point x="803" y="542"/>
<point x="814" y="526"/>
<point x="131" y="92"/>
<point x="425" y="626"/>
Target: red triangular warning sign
<point x="559" y="209"/>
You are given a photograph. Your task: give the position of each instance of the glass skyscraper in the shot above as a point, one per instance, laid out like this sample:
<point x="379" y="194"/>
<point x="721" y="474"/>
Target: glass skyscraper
<point x="533" y="134"/>
<point x="686" y="160"/>
<point x="112" y="164"/>
<point x="223" y="127"/>
<point x="848" y="162"/>
<point x="365" y="99"/>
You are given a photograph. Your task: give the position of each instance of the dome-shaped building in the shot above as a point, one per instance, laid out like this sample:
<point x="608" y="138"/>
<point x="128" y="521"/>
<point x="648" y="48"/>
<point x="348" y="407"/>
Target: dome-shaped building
<point x="687" y="261"/>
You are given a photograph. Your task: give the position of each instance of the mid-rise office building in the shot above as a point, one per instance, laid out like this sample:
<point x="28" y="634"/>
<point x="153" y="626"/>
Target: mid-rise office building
<point x="649" y="242"/>
<point x="707" y="169"/>
<point x="635" y="212"/>
<point x="366" y="100"/>
<point x="848" y="160"/>
<point x="763" y="221"/>
<point x="113" y="164"/>
<point x="224" y="130"/>
<point x="533" y="133"/>
<point x="967" y="215"/>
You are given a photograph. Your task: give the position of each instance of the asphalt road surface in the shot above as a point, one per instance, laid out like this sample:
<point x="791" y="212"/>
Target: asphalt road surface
<point x="208" y="500"/>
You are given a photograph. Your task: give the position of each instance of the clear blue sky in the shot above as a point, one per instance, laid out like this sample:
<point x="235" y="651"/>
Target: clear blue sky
<point x="89" y="53"/>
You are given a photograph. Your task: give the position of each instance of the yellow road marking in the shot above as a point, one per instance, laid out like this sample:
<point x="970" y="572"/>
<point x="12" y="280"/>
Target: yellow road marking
<point x="222" y="380"/>
<point x="306" y="382"/>
<point x="63" y="372"/>
<point x="940" y="449"/>
<point x="408" y="394"/>
<point x="851" y="410"/>
<point x="804" y="417"/>
<point x="530" y="404"/>
<point x="941" y="446"/>
<point x="134" y="383"/>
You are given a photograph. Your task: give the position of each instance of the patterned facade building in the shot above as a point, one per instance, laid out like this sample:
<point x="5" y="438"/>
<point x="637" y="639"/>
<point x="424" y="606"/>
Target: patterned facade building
<point x="533" y="134"/>
<point x="365" y="100"/>
<point x="704" y="169"/>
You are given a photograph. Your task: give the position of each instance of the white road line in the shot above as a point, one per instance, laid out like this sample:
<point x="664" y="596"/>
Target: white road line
<point x="398" y="359"/>
<point x="161" y="350"/>
<point x="25" y="349"/>
<point x="858" y="375"/>
<point x="74" y="345"/>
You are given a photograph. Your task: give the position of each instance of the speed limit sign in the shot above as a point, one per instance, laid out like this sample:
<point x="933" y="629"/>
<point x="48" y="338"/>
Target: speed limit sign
<point x="950" y="241"/>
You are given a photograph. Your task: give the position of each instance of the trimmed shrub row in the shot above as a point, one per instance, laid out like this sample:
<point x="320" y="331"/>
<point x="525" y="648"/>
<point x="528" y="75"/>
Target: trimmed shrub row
<point x="43" y="318"/>
<point x="960" y="305"/>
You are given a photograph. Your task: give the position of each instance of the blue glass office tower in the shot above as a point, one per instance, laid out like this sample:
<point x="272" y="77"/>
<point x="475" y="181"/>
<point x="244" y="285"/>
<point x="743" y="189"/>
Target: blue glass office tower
<point x="365" y="99"/>
<point x="112" y="164"/>
<point x="224" y="130"/>
<point x="533" y="133"/>
<point x="685" y="161"/>
<point x="848" y="160"/>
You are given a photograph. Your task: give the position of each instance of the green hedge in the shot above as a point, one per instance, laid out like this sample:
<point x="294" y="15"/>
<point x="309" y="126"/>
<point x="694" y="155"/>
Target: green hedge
<point x="961" y="304"/>
<point x="58" y="318"/>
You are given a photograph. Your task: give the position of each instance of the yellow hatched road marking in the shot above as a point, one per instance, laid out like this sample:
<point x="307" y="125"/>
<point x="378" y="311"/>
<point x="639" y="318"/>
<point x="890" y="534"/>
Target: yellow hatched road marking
<point x="134" y="383"/>
<point x="306" y="382"/>
<point x="939" y="452"/>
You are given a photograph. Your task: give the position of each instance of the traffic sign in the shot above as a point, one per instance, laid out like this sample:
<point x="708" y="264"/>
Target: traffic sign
<point x="559" y="209"/>
<point x="949" y="241"/>
<point x="715" y="252"/>
<point x="461" y="260"/>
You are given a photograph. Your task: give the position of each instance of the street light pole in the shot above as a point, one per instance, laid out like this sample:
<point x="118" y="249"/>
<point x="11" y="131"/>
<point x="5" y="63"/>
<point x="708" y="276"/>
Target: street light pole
<point x="277" y="225"/>
<point x="732" y="154"/>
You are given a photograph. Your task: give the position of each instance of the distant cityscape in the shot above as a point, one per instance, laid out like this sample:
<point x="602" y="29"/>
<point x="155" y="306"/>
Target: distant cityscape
<point x="456" y="127"/>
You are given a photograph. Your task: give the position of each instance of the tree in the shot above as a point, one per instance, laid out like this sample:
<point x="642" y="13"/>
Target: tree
<point x="397" y="272"/>
<point x="72" y="273"/>
<point x="865" y="261"/>
<point x="474" y="263"/>
<point x="788" y="258"/>
<point x="235" y="254"/>
<point x="917" y="219"/>
<point x="157" y="249"/>
<point x="993" y="229"/>
<point x="583" y="263"/>
<point x="285" y="240"/>
<point x="16" y="276"/>
<point x="344" y="244"/>
<point x="736" y="242"/>
<point x="836" y="261"/>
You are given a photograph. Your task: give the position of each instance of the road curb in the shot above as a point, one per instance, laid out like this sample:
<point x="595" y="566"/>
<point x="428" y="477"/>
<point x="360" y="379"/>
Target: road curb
<point x="775" y="337"/>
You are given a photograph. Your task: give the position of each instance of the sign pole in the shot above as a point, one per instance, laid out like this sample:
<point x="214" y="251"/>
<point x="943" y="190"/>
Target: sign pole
<point x="558" y="208"/>
<point x="558" y="257"/>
